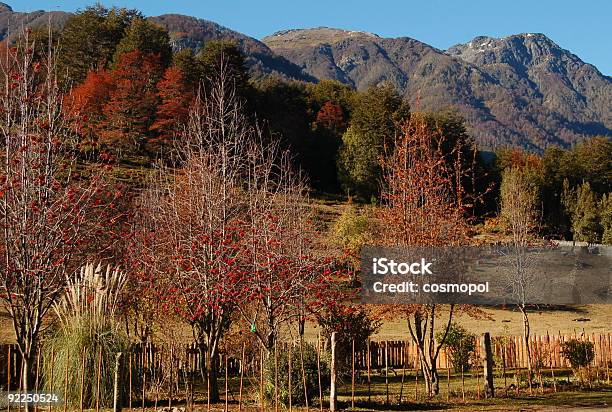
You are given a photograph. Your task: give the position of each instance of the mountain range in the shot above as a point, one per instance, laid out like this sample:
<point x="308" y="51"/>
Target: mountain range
<point x="522" y="90"/>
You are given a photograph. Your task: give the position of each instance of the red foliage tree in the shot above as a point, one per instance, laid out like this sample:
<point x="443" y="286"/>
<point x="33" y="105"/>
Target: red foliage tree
<point x="51" y="217"/>
<point x="331" y="117"/>
<point x="188" y="244"/>
<point x="175" y="97"/>
<point x="131" y="106"/>
<point x="85" y="104"/>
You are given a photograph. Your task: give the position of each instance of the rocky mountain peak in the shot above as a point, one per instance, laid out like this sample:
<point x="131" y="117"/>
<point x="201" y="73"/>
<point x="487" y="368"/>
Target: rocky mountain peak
<point x="314" y="36"/>
<point x="525" y="49"/>
<point x="5" y="8"/>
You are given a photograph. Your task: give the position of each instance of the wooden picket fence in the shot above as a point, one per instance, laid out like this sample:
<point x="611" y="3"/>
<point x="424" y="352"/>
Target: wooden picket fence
<point x="185" y="363"/>
<point x="511" y="350"/>
<point x="148" y="357"/>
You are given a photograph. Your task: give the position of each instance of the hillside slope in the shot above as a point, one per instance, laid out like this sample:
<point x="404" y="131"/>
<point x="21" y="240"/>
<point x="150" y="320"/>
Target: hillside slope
<point x="187" y="31"/>
<point x="522" y="90"/>
<point x="501" y="105"/>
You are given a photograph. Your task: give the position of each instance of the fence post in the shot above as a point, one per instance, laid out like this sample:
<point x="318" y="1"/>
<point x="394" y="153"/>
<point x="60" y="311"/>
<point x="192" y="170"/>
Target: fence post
<point x="369" y="361"/>
<point x="261" y="378"/>
<point x="387" y="372"/>
<point x="290" y="389"/>
<point x="319" y="372"/>
<point x="84" y="360"/>
<point x="241" y="377"/>
<point x="8" y="374"/>
<point x="170" y="381"/>
<point x="303" y="371"/>
<point x="353" y="377"/>
<point x="226" y="384"/>
<point x="116" y="394"/>
<point x="144" y="378"/>
<point x="275" y="375"/>
<point x="332" y="386"/>
<point x="487" y="365"/>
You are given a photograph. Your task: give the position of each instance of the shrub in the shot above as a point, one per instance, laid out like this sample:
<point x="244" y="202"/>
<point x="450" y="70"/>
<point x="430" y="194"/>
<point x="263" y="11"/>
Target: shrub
<point x="461" y="346"/>
<point x="86" y="329"/>
<point x="297" y="380"/>
<point x="578" y="353"/>
<point x="350" y="323"/>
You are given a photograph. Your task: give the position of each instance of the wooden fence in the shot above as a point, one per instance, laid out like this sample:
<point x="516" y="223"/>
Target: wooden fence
<point x="508" y="351"/>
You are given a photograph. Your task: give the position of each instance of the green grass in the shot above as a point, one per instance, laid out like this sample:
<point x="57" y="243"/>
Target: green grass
<point x="569" y="395"/>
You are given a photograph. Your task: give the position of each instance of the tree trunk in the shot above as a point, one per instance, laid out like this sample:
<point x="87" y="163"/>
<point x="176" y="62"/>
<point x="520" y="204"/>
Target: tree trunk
<point x="428" y="350"/>
<point x="210" y="372"/>
<point x="25" y="377"/>
<point x="432" y="379"/>
<point x="526" y="332"/>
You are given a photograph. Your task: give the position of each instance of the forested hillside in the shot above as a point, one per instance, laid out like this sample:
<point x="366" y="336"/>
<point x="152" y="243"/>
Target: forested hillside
<point x="523" y="90"/>
<point x="130" y="83"/>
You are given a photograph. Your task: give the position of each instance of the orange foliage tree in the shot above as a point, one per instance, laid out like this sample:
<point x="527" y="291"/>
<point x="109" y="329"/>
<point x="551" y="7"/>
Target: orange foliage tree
<point x="85" y="104"/>
<point x="131" y="106"/>
<point x="425" y="203"/>
<point x="175" y="97"/>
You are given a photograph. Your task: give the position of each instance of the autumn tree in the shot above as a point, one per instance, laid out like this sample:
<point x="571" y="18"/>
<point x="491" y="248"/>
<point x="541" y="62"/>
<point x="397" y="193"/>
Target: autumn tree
<point x="131" y="106"/>
<point x="326" y="139"/>
<point x="519" y="209"/>
<point x="48" y="212"/>
<point x="174" y="96"/>
<point x="331" y="117"/>
<point x="191" y="230"/>
<point x="425" y="204"/>
<point x="285" y="273"/>
<point x="84" y="106"/>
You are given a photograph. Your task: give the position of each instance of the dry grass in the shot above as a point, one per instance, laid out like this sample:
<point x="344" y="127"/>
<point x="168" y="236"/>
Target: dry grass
<point x="7" y="335"/>
<point x="551" y="321"/>
<point x="501" y="321"/>
<point x="509" y="322"/>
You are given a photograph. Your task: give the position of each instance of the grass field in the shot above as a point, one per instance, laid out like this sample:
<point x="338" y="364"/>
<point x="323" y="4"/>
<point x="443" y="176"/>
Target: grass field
<point x="501" y="322"/>
<point x="451" y="397"/>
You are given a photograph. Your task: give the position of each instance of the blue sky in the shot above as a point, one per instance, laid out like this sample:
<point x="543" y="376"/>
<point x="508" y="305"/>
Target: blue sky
<point x="583" y="27"/>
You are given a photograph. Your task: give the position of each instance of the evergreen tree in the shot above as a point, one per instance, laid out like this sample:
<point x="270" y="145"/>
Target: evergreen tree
<point x="594" y="163"/>
<point x="89" y="38"/>
<point x="605" y="210"/>
<point x="147" y="38"/>
<point x="376" y="119"/>
<point x="585" y="215"/>
<point x="186" y="61"/>
<point x="217" y="52"/>
<point x="556" y="220"/>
